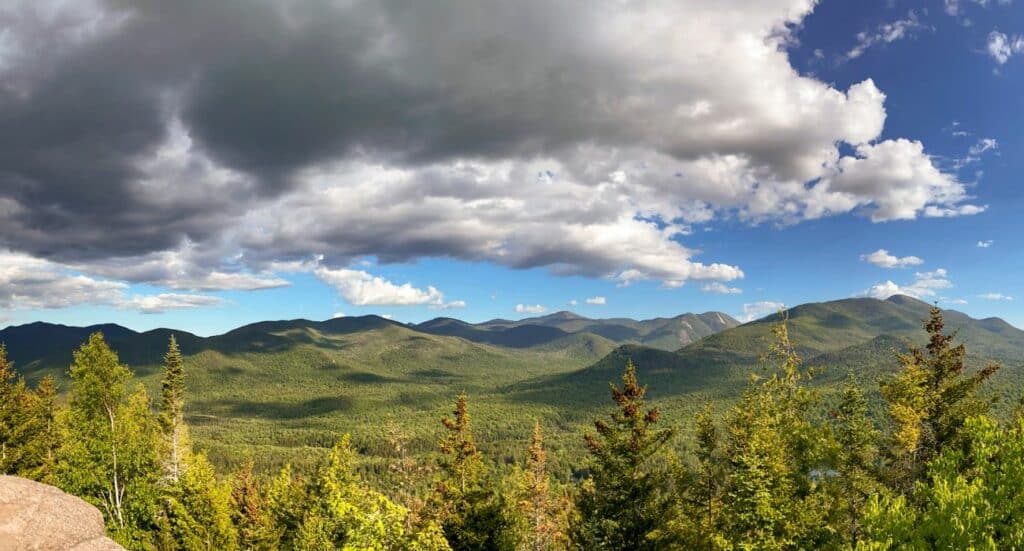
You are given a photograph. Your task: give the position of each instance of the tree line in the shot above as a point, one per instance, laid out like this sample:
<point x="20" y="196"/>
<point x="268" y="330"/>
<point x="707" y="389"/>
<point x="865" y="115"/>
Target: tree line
<point x="779" y="470"/>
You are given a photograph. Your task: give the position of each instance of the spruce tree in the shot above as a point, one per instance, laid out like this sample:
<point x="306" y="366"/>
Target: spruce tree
<point x="856" y="478"/>
<point x="542" y="512"/>
<point x="626" y="503"/>
<point x="929" y="400"/>
<point x="470" y="513"/>
<point x="11" y="398"/>
<point x="172" y="416"/>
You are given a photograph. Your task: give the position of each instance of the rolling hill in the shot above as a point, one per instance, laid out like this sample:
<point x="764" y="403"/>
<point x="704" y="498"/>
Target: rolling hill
<point x="283" y="390"/>
<point x="663" y="333"/>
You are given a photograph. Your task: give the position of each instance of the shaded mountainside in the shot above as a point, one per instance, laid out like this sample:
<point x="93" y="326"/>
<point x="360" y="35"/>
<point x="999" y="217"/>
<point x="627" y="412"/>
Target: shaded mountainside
<point x="852" y="336"/>
<point x="663" y="333"/>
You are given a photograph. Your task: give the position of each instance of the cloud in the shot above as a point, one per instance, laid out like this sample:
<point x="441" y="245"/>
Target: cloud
<point x="757" y="310"/>
<point x="882" y="258"/>
<point x="530" y="309"/>
<point x="995" y="296"/>
<point x="361" y="288"/>
<point x="985" y="244"/>
<point x="885" y="33"/>
<point x="455" y="304"/>
<point x="33" y="283"/>
<point x="200" y="146"/>
<point x="597" y="300"/>
<point x="956" y="8"/>
<point x="156" y="304"/>
<point x="925" y="285"/>
<point x="572" y="302"/>
<point x="1002" y="47"/>
<point x="337" y="315"/>
<point x="716" y="287"/>
<point x="958" y="301"/>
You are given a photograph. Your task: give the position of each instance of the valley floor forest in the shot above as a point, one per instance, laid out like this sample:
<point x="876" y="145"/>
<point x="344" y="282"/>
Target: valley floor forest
<point x="786" y="465"/>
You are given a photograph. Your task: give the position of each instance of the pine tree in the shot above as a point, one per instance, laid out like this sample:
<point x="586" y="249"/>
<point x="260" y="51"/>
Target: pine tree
<point x="626" y="503"/>
<point x="929" y="400"/>
<point x="172" y="416"/>
<point x="108" y="453"/>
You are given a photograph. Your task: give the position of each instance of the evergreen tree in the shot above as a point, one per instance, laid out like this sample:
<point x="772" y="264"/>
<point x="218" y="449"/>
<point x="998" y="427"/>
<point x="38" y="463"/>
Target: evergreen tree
<point x="172" y="416"/>
<point x="249" y="510"/>
<point x="856" y="479"/>
<point x="197" y="510"/>
<point x="471" y="514"/>
<point x="540" y="512"/>
<point x="701" y="498"/>
<point x="626" y="503"/>
<point x="108" y="453"/>
<point x="12" y="398"/>
<point x="929" y="400"/>
<point x="39" y="432"/>
<point x="773" y="498"/>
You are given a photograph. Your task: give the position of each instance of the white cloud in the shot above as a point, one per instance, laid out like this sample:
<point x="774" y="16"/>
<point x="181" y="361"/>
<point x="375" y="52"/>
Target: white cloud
<point x="337" y="315"/>
<point x="1002" y="47"/>
<point x="757" y="310"/>
<point x="156" y="304"/>
<point x="925" y="285"/>
<point x="983" y="145"/>
<point x="361" y="288"/>
<point x="882" y="258"/>
<point x="958" y="301"/>
<point x="455" y="304"/>
<point x="530" y="309"/>
<point x="720" y="288"/>
<point x="995" y="296"/>
<point x="885" y="33"/>
<point x="597" y="300"/>
<point x="985" y="244"/>
<point x="955" y="8"/>
<point x="572" y="302"/>
<point x="34" y="283"/>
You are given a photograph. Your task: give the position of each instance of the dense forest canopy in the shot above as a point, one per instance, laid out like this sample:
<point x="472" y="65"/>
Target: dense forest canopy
<point x="780" y="469"/>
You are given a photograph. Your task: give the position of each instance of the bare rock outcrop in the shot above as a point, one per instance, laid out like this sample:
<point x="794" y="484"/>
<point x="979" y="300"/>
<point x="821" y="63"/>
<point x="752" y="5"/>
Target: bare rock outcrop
<point x="36" y="516"/>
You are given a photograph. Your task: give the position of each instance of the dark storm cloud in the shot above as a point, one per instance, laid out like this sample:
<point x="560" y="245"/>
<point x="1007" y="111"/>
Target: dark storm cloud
<point x="193" y="144"/>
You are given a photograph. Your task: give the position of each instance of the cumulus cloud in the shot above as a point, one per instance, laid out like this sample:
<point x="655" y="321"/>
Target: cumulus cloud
<point x="530" y="309"/>
<point x="995" y="296"/>
<point x="572" y="302"/>
<point x="1002" y="47"/>
<point x="885" y="33"/>
<point x="924" y="285"/>
<point x="757" y="310"/>
<point x="200" y="146"/>
<point x="882" y="258"/>
<point x="362" y="288"/>
<point x="985" y="244"/>
<point x="597" y="300"/>
<point x="720" y="288"/>
<point x="337" y="315"/>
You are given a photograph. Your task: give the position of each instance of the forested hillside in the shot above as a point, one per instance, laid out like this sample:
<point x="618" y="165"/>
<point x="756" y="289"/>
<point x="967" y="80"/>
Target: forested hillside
<point x="777" y="467"/>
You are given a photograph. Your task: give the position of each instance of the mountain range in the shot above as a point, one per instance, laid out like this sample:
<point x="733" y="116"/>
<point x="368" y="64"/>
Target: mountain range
<point x="280" y="387"/>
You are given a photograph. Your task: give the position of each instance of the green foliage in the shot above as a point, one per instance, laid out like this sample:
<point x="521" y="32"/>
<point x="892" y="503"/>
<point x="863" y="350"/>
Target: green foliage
<point x="539" y="515"/>
<point x="28" y="434"/>
<point x="972" y="498"/>
<point x="471" y="514"/>
<point x="626" y="502"/>
<point x="176" y="446"/>
<point x="930" y="399"/>
<point x="197" y="510"/>
<point x="109" y="442"/>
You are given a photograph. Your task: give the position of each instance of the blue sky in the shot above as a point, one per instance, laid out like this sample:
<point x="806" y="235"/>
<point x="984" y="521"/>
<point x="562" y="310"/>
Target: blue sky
<point x="732" y="166"/>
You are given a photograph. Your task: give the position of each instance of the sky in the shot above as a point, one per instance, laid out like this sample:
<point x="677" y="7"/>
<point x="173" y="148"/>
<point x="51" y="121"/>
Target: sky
<point x="202" y="165"/>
